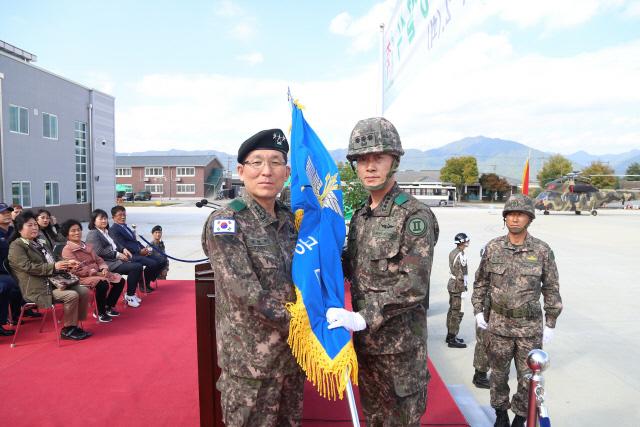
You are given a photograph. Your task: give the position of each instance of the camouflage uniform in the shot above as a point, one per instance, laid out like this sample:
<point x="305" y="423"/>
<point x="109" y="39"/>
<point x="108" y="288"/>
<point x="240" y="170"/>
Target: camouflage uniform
<point x="480" y="357"/>
<point x="456" y="286"/>
<point x="261" y="383"/>
<point x="514" y="277"/>
<point x="388" y="259"/>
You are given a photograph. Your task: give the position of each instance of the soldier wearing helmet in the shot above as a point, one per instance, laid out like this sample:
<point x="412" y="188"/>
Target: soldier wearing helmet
<point x="457" y="288"/>
<point x="515" y="270"/>
<point x="388" y="260"/>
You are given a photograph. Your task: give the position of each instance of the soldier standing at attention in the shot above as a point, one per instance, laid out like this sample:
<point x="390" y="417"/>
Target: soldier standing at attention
<point x="514" y="270"/>
<point x="388" y="260"/>
<point x="250" y="246"/>
<point x="457" y="287"/>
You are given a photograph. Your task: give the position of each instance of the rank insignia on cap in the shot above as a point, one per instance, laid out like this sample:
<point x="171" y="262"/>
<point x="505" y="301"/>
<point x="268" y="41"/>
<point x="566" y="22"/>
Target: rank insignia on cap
<point x="279" y="138"/>
<point x="224" y="226"/>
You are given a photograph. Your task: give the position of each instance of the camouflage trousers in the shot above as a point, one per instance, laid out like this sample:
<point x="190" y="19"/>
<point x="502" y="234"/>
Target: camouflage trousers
<point x="480" y="358"/>
<point x="501" y="351"/>
<point x="270" y="402"/>
<point x="393" y="387"/>
<point x="454" y="315"/>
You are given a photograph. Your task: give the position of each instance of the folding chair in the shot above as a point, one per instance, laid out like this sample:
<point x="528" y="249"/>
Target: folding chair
<point x="31" y="305"/>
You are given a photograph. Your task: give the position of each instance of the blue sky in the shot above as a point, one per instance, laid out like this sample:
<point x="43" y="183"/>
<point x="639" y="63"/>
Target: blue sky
<point x="557" y="75"/>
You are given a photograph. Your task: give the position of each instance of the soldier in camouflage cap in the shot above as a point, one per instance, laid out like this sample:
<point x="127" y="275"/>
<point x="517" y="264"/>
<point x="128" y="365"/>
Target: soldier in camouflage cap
<point x="388" y="261"/>
<point x="515" y="270"/>
<point x="250" y="245"/>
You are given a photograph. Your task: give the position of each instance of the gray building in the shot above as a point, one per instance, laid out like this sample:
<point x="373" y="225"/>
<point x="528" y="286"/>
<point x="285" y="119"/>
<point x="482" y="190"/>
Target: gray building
<point x="56" y="140"/>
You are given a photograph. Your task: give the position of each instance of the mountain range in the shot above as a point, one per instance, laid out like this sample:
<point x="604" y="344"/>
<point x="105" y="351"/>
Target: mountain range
<point x="504" y="157"/>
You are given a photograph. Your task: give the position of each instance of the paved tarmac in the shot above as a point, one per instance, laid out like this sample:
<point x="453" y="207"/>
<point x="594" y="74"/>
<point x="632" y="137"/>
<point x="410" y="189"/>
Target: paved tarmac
<point x="593" y="379"/>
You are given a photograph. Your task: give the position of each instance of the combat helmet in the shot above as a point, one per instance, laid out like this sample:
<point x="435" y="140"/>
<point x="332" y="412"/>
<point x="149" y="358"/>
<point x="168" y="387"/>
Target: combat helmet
<point x="519" y="203"/>
<point x="374" y="135"/>
<point x="461" y="238"/>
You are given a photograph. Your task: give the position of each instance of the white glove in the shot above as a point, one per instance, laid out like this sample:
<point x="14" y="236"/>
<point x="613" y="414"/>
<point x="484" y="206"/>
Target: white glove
<point x="547" y="335"/>
<point x="482" y="324"/>
<point x="464" y="295"/>
<point x="339" y="317"/>
<point x="465" y="281"/>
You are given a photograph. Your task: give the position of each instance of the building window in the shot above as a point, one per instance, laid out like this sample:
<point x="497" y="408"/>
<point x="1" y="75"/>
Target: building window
<point x="49" y="126"/>
<point x="153" y="188"/>
<point x="186" y="188"/>
<point x="80" y="136"/>
<point x="18" y="119"/>
<point x="188" y="171"/>
<point x="153" y="172"/>
<point x="21" y="192"/>
<point x="51" y="193"/>
<point x="124" y="172"/>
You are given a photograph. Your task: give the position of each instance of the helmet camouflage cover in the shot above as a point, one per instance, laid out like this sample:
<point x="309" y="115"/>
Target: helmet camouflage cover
<point x="374" y="135"/>
<point x="519" y="203"/>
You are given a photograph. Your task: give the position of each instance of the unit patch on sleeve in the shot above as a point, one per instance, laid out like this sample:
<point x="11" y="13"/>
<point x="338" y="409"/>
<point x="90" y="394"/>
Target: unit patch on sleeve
<point x="224" y="226"/>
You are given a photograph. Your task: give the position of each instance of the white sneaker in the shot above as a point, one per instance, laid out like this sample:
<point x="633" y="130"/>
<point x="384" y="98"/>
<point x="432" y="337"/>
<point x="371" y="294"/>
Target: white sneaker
<point x="131" y="301"/>
<point x="137" y="299"/>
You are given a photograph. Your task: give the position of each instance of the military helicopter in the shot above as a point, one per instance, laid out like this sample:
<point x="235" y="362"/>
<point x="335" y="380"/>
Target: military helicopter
<point x="574" y="192"/>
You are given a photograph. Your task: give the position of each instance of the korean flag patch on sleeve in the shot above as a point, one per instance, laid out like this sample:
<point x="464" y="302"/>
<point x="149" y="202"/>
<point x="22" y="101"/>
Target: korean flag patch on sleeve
<point x="224" y="226"/>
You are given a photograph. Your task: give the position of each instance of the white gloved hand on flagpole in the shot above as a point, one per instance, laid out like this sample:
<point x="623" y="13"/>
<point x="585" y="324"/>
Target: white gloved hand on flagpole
<point x="547" y="335"/>
<point x="339" y="317"/>
<point x="482" y="324"/>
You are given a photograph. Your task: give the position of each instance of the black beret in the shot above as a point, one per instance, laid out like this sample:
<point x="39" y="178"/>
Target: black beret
<point x="270" y="139"/>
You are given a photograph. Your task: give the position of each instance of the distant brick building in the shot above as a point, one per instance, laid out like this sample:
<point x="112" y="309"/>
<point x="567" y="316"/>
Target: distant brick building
<point x="171" y="177"/>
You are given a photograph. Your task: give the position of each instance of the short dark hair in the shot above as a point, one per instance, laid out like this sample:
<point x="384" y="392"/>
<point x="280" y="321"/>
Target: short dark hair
<point x="66" y="226"/>
<point x="94" y="215"/>
<point x="156" y="228"/>
<point x="20" y="221"/>
<point x="116" y="209"/>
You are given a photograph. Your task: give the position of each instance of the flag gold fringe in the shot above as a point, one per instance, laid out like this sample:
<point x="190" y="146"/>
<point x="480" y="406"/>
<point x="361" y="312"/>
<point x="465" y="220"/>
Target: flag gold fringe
<point x="327" y="375"/>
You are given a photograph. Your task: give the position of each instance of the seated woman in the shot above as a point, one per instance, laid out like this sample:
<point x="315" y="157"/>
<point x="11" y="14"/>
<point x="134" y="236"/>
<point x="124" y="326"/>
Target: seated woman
<point x="49" y="232"/>
<point x="93" y="271"/>
<point x="117" y="258"/>
<point x="32" y="263"/>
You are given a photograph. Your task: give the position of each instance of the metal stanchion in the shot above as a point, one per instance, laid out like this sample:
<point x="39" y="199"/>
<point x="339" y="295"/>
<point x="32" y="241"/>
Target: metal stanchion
<point x="538" y="361"/>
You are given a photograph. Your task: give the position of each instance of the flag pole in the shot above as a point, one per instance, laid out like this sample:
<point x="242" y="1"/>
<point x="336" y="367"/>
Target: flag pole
<point x="381" y="70"/>
<point x="352" y="402"/>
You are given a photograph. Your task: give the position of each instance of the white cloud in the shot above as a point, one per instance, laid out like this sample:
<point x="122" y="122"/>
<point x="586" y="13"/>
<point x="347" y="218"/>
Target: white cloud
<point x="196" y="112"/>
<point x="364" y="31"/>
<point x="632" y="10"/>
<point x="227" y="9"/>
<point x="481" y="86"/>
<point x="251" y="58"/>
<point x="243" y="31"/>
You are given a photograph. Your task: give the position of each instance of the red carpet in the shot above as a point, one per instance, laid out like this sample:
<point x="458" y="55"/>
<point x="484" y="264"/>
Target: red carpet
<point x="139" y="369"/>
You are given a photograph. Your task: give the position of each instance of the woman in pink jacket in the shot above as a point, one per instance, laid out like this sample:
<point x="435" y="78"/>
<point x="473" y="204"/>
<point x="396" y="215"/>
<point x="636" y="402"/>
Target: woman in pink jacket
<point x="93" y="271"/>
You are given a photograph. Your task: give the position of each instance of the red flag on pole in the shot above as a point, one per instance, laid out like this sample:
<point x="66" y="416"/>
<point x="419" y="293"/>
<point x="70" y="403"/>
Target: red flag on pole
<point x="525" y="178"/>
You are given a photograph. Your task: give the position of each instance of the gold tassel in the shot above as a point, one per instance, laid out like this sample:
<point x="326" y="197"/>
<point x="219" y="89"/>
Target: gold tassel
<point x="326" y="374"/>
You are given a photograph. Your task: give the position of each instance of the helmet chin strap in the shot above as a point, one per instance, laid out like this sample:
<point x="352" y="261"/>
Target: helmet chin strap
<point x="392" y="171"/>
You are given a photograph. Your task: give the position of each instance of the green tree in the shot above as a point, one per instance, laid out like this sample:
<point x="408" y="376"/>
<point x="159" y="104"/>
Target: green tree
<point x="460" y="171"/>
<point x="633" y="169"/>
<point x="353" y="192"/>
<point x="556" y="167"/>
<point x="599" y="168"/>
<point x="494" y="185"/>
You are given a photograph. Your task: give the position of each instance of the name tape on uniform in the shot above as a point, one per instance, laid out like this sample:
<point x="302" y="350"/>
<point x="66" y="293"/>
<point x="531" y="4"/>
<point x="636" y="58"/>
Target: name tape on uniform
<point x="224" y="226"/>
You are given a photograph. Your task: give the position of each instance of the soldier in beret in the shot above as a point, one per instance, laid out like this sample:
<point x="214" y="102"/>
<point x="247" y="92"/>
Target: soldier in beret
<point x="250" y="246"/>
<point x="515" y="270"/>
<point x="388" y="261"/>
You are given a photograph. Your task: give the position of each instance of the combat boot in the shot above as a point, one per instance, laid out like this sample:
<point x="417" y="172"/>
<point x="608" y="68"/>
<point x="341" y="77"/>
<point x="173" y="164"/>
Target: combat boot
<point x="480" y="379"/>
<point x="502" y="418"/>
<point x="453" y="342"/>
<point x="518" y="421"/>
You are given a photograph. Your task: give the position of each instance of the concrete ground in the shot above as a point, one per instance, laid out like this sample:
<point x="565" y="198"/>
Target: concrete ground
<point x="593" y="379"/>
